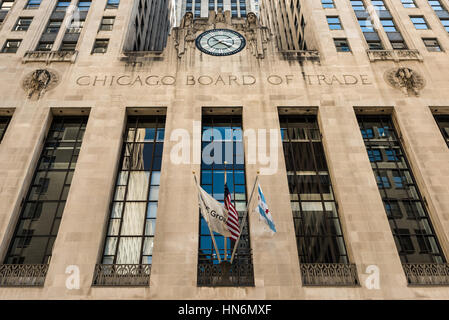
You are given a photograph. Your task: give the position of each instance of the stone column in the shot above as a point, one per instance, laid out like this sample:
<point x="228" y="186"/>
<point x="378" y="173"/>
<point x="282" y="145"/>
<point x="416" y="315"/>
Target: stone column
<point x="81" y="234"/>
<point x="366" y="230"/>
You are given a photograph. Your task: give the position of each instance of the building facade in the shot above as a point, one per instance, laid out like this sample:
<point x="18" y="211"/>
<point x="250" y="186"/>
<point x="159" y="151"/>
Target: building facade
<point x="201" y="8"/>
<point x="347" y="134"/>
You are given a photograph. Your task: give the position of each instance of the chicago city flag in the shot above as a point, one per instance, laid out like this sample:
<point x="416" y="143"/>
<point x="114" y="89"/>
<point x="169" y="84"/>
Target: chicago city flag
<point x="262" y="209"/>
<point x="213" y="212"/>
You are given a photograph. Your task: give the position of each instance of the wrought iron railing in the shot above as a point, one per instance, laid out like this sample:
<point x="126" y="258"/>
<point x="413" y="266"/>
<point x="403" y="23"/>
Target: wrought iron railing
<point x="23" y="275"/>
<point x="427" y="273"/>
<point x="329" y="274"/>
<point x="240" y="273"/>
<point x="128" y="275"/>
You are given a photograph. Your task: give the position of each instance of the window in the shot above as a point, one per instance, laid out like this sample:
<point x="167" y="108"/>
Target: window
<point x="84" y="5"/>
<point x="4" y="122"/>
<point x="43" y="207"/>
<point x="378" y="5"/>
<point x="6" y="5"/>
<point x="33" y="4"/>
<point x="53" y="26"/>
<point x="436" y="5"/>
<point x="388" y="25"/>
<point x="11" y="46"/>
<point x="443" y="124"/>
<point x="224" y="133"/>
<point x="374" y="155"/>
<point x="375" y="45"/>
<point x="445" y="23"/>
<point x="68" y="46"/>
<point x="100" y="46"/>
<point x="419" y="22"/>
<point x="408" y="3"/>
<point x="112" y="4"/>
<point x="316" y="220"/>
<point x="107" y="23"/>
<point x="328" y="3"/>
<point x="44" y="46"/>
<point x="22" y="24"/>
<point x="132" y="221"/>
<point x="342" y="45"/>
<point x="432" y="44"/>
<point x="366" y="25"/>
<point x="407" y="215"/>
<point x="334" y="23"/>
<point x="398" y="45"/>
<point x="76" y="26"/>
<point x="357" y="5"/>
<point x="62" y="6"/>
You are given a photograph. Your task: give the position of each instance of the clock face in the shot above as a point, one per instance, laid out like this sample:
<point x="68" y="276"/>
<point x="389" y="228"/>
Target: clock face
<point x="220" y="42"/>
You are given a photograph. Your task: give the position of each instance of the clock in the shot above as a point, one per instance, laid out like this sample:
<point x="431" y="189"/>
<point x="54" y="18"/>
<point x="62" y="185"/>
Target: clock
<point x="220" y="42"/>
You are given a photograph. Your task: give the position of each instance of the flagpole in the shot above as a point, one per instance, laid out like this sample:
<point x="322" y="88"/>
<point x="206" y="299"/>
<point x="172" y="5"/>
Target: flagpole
<point x="225" y="238"/>
<point x="245" y="215"/>
<point x="210" y="230"/>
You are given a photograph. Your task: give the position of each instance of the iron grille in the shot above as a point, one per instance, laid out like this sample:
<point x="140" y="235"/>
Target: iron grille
<point x="23" y="275"/>
<point x="128" y="275"/>
<point x="329" y="274"/>
<point x="238" y="274"/>
<point x="426" y="273"/>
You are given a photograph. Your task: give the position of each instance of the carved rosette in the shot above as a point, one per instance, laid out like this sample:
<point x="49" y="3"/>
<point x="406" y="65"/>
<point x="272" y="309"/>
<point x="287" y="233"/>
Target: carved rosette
<point x="405" y="79"/>
<point x="37" y="82"/>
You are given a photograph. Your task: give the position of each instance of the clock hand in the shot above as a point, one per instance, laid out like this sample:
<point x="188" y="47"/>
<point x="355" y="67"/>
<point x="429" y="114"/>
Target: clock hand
<point x="219" y="41"/>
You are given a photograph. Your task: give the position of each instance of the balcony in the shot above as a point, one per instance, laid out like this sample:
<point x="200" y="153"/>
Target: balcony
<point x="301" y="55"/>
<point x="238" y="274"/>
<point x="23" y="275"/>
<point x="329" y="274"/>
<point x="432" y="274"/>
<point x="394" y="55"/>
<point x="50" y="56"/>
<point x="125" y="275"/>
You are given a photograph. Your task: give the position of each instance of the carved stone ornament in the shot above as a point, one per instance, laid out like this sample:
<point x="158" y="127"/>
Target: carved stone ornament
<point x="405" y="79"/>
<point x="256" y="36"/>
<point x="39" y="81"/>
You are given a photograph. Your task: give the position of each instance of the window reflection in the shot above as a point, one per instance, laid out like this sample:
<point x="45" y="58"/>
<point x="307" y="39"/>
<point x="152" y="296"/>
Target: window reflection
<point x="39" y="220"/>
<point x="132" y="222"/>
<point x="317" y="226"/>
<point x="410" y="224"/>
<point x="226" y="132"/>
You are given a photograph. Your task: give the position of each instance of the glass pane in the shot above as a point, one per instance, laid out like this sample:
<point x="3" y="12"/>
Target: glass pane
<point x="133" y="219"/>
<point x="129" y="250"/>
<point x="138" y="185"/>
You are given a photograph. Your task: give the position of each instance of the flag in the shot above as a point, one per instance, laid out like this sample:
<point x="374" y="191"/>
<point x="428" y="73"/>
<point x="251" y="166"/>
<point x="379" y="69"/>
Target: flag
<point x="262" y="209"/>
<point x="213" y="212"/>
<point x="233" y="216"/>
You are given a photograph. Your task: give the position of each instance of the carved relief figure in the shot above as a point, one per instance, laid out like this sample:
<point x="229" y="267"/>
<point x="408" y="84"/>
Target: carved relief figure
<point x="38" y="82"/>
<point x="406" y="80"/>
<point x="185" y="36"/>
<point x="255" y="36"/>
<point x="220" y="16"/>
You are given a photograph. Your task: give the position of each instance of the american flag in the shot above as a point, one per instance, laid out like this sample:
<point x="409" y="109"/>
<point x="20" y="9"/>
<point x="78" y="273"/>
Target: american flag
<point x="233" y="216"/>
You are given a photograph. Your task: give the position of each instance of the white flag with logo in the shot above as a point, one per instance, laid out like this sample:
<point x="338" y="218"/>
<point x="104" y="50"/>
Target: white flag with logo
<point x="213" y="212"/>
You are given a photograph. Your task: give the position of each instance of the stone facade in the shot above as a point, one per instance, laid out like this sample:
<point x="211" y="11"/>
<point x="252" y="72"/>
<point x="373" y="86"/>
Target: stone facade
<point x="260" y="80"/>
